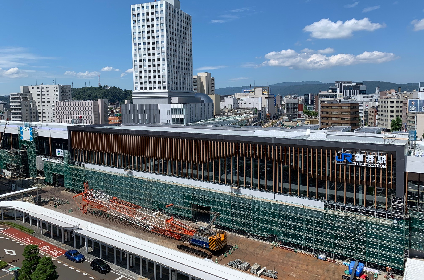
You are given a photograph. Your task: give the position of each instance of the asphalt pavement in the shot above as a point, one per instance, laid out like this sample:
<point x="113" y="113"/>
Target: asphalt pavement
<point x="11" y="249"/>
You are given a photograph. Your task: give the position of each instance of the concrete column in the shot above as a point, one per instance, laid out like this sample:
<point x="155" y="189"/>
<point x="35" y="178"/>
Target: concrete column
<point x="189" y="277"/>
<point x="15" y="214"/>
<point x="86" y="244"/>
<point x="131" y="260"/>
<point x="147" y="266"/>
<point x="51" y="231"/>
<point x="75" y="240"/>
<point x="128" y="261"/>
<point x="41" y="227"/>
<point x="63" y="236"/>
<point x="80" y="240"/>
<point x="38" y="223"/>
<point x="120" y="254"/>
<point x="100" y="246"/>
<point x="107" y="248"/>
<point x="154" y="270"/>
<point x="114" y="255"/>
<point x="2" y="217"/>
<point x="30" y="219"/>
<point x="170" y="274"/>
<point x="57" y="231"/>
<point x="141" y="266"/>
<point x="160" y="271"/>
<point x="23" y="217"/>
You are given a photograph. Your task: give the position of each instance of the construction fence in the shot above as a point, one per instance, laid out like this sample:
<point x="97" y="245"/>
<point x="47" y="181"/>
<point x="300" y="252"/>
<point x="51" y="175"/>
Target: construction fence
<point x="378" y="242"/>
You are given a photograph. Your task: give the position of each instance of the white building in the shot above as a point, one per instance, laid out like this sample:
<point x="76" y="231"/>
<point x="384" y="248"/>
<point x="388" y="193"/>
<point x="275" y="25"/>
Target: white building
<point x="251" y="96"/>
<point x="167" y="113"/>
<point x="366" y="102"/>
<point x="37" y="103"/>
<point x="162" y="51"/>
<point x="229" y="103"/>
<point x="82" y="112"/>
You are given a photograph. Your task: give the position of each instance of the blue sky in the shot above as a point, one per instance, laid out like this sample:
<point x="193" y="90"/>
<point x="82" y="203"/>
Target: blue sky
<point x="239" y="42"/>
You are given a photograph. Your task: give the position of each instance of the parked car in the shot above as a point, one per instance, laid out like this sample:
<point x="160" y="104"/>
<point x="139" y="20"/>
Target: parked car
<point x="74" y="256"/>
<point x="100" y="266"/>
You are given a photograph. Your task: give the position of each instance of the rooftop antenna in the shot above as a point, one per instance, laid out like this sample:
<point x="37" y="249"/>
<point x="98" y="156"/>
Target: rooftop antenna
<point x="36" y="83"/>
<point x="99" y="77"/>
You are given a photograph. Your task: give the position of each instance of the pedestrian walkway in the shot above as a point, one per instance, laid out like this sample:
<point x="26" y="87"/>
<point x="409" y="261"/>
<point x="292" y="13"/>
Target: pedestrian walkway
<point x="27" y="239"/>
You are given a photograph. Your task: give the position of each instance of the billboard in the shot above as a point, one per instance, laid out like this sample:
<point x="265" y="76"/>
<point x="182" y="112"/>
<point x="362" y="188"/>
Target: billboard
<point x="415" y="106"/>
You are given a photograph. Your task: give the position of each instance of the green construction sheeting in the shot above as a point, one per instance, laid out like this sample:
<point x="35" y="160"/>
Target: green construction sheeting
<point x="379" y="241"/>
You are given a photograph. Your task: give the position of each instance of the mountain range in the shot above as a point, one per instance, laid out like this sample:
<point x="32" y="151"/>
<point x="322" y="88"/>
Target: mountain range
<point x="305" y="87"/>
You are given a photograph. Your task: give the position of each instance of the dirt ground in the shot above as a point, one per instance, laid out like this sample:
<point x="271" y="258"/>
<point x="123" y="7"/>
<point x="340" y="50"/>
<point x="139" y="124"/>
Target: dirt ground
<point x="289" y="265"/>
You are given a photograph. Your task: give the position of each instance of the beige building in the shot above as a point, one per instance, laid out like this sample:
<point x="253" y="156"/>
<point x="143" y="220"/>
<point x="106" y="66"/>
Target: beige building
<point x="82" y="112"/>
<point x="22" y="107"/>
<point x="205" y="83"/>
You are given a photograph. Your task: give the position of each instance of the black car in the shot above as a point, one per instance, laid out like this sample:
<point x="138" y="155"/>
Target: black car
<point x="100" y="266"/>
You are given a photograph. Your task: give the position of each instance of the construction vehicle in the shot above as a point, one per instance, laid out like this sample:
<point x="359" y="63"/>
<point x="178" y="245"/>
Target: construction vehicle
<point x="206" y="237"/>
<point x="153" y="221"/>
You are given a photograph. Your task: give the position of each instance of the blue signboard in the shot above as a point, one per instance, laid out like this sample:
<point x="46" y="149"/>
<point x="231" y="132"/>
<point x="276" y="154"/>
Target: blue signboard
<point x="413" y="135"/>
<point x="26" y="133"/>
<point x="415" y="106"/>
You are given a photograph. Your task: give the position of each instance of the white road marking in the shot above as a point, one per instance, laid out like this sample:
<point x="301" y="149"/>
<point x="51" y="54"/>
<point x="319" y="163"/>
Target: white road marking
<point x="84" y="273"/>
<point x="77" y="270"/>
<point x="10" y="252"/>
<point x="59" y="262"/>
<point x="71" y="267"/>
<point x="1" y="237"/>
<point x="65" y="264"/>
<point x="91" y="277"/>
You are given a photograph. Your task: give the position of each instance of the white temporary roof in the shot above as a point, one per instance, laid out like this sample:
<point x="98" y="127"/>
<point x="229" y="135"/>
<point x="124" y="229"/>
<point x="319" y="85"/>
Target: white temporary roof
<point x="200" y="268"/>
<point x="414" y="269"/>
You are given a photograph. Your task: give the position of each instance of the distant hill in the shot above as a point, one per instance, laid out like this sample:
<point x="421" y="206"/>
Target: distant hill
<point x="301" y="88"/>
<point x="113" y="94"/>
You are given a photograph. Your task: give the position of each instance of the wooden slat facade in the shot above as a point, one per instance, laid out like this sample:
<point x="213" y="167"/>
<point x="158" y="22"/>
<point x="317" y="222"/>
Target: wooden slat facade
<point x="296" y="170"/>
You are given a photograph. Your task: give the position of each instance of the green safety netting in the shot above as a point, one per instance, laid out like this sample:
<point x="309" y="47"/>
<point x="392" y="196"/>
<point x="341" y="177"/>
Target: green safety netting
<point x="380" y="241"/>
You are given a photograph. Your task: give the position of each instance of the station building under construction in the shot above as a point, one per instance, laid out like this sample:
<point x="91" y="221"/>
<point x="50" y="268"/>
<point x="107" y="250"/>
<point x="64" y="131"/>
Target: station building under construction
<point x="345" y="195"/>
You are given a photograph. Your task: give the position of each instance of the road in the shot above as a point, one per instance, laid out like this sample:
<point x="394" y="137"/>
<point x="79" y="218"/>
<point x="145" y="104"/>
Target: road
<point x="13" y="242"/>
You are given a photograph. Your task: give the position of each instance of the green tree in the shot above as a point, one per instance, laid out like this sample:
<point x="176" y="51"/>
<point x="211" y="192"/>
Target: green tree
<point x="30" y="262"/>
<point x="396" y="124"/>
<point x="46" y="270"/>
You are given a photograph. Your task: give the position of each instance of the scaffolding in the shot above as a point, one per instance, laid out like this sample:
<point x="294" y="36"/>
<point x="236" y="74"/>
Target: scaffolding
<point x="376" y="241"/>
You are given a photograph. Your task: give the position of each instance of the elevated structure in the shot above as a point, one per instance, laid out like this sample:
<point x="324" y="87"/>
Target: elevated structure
<point x="172" y="259"/>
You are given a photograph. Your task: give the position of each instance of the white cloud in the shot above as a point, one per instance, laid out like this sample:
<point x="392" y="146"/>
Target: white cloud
<point x="205" y="68"/>
<point x="315" y="60"/>
<point x="82" y="75"/>
<point x="418" y="24"/>
<point x="13" y="73"/>
<point x="233" y="15"/>
<point x="326" y="29"/>
<point x="249" y="65"/>
<point x="353" y="5"/>
<point x="369" y="9"/>
<point x="238" y="79"/>
<point x="126" y="72"/>
<point x="15" y="56"/>
<point x="108" y="69"/>
<point x="325" y="51"/>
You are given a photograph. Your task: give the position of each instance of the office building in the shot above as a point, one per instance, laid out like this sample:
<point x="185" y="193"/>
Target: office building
<point x="336" y="113"/>
<point x="82" y="112"/>
<point x="349" y="88"/>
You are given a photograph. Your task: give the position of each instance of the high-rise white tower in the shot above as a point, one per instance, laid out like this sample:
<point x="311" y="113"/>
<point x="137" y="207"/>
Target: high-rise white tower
<point x="162" y="51"/>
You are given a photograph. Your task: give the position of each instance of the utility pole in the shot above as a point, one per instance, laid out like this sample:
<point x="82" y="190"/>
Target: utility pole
<point x="99" y="82"/>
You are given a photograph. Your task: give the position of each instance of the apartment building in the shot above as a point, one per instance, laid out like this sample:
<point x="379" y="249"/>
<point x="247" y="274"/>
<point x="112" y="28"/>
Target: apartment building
<point x="205" y="83"/>
<point x="82" y="112"/>
<point x="162" y="50"/>
<point x="339" y="113"/>
<point x="22" y="107"/>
